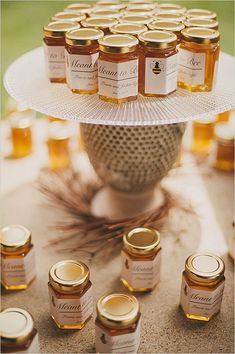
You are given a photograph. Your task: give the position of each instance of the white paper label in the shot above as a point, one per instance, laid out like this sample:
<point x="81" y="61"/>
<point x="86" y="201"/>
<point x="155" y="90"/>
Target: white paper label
<point x="18" y="271"/>
<point x="118" y="80"/>
<point x="123" y="343"/>
<point x="191" y="67"/>
<point x="82" y="71"/>
<point x="201" y="302"/>
<point x="71" y="311"/>
<point x="161" y="75"/>
<point x="55" y="61"/>
<point x="141" y="274"/>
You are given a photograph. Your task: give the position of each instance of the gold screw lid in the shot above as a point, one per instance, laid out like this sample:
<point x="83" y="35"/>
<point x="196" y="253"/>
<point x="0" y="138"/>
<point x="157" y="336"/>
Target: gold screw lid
<point x="57" y="29"/>
<point x="172" y="26"/>
<point x="117" y="310"/>
<point x="147" y="7"/>
<point x="225" y="133"/>
<point x="138" y="11"/>
<point x="205" y="121"/>
<point x="172" y="8"/>
<point x="143" y="2"/>
<point x="106" y="13"/>
<point x="99" y="22"/>
<point x="69" y="276"/>
<point x="113" y="5"/>
<point x="200" y="35"/>
<point x="169" y="16"/>
<point x="201" y="13"/>
<point x="204" y="267"/>
<point x="118" y="43"/>
<point x="158" y="39"/>
<point x="16" y="326"/>
<point x="20" y="121"/>
<point x="128" y="28"/>
<point x="84" y="8"/>
<point x="141" y="19"/>
<point x="141" y="240"/>
<point x="201" y="22"/>
<point x="14" y="238"/>
<point x="68" y="16"/>
<point x="83" y="36"/>
<point x="59" y="131"/>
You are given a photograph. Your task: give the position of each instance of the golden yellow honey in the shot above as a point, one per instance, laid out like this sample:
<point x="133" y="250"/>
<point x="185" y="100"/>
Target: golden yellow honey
<point x="202" y="135"/>
<point x="21" y="135"/>
<point x="224" y="147"/>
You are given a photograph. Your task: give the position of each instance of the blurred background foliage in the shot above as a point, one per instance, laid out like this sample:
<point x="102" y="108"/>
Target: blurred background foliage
<point x="22" y="23"/>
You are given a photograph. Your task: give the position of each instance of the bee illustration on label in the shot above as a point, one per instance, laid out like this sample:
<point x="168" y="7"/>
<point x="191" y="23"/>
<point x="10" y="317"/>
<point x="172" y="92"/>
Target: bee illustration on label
<point x="185" y="290"/>
<point x="103" y="339"/>
<point x="127" y="264"/>
<point x="156" y="69"/>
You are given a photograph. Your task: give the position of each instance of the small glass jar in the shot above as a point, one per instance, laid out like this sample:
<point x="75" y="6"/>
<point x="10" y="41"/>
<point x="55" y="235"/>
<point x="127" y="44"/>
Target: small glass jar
<point x="202" y="135"/>
<point x="172" y="26"/>
<point x="201" y="22"/>
<point x="68" y="16"/>
<point x="70" y="294"/>
<point x="17" y="257"/>
<point x="82" y="52"/>
<point x="158" y="63"/>
<point x="82" y="8"/>
<point x="138" y="19"/>
<point x="224" y="147"/>
<point x="169" y="16"/>
<point x="54" y="44"/>
<point x="176" y="8"/>
<point x="201" y="13"/>
<point x="202" y="286"/>
<point x="128" y="28"/>
<point x="17" y="332"/>
<point x="198" y="59"/>
<point x="223" y="117"/>
<point x="106" y="13"/>
<point x="141" y="259"/>
<point x="118" y="68"/>
<point x="21" y="134"/>
<point x="117" y="325"/>
<point x="101" y="23"/>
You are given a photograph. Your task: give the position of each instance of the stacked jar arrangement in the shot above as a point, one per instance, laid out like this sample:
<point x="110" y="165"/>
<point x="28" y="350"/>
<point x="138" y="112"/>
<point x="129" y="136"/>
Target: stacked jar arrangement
<point x="122" y="49"/>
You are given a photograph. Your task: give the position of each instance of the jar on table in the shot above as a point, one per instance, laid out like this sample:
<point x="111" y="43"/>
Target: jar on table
<point x="118" y="68"/>
<point x="198" y="59"/>
<point x="202" y="135"/>
<point x="224" y="147"/>
<point x="138" y="19"/>
<point x="54" y="44"/>
<point x="21" y="134"/>
<point x="101" y="23"/>
<point x="158" y="63"/>
<point x="128" y="28"/>
<point x="172" y="26"/>
<point x="82" y="52"/>
<point x="201" y="13"/>
<point x="201" y="22"/>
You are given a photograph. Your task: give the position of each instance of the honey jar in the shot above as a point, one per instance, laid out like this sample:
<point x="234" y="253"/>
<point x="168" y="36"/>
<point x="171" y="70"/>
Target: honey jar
<point x="198" y="58"/>
<point x="17" y="332"/>
<point x="101" y="23"/>
<point x="82" y="8"/>
<point x="21" y="134"/>
<point x="169" y="16"/>
<point x="82" y="51"/>
<point x="224" y="147"/>
<point x="106" y="13"/>
<point x="223" y="117"/>
<point x="118" y="68"/>
<point x="138" y="19"/>
<point x="176" y="8"/>
<point x="201" y="13"/>
<point x="143" y="2"/>
<point x="70" y="294"/>
<point x="172" y="26"/>
<point x="17" y="257"/>
<point x="128" y="28"/>
<point x="158" y="63"/>
<point x="201" y="22"/>
<point x="202" y="135"/>
<point x="202" y="286"/>
<point x="68" y="16"/>
<point x="54" y="44"/>
<point x="117" y="325"/>
<point x="141" y="259"/>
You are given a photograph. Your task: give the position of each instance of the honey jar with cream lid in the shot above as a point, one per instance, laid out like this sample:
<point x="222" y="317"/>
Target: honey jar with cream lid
<point x="158" y="63"/>
<point x="224" y="147"/>
<point x="117" y="325"/>
<point x="54" y="44"/>
<point x="118" y="68"/>
<point x="169" y="16"/>
<point x="82" y="51"/>
<point x="17" y="332"/>
<point x="139" y="19"/>
<point x="201" y="22"/>
<point x="198" y="58"/>
<point x="202" y="286"/>
<point x="79" y="7"/>
<point x="17" y="257"/>
<point x="172" y="26"/>
<point x="68" y="16"/>
<point x="128" y="28"/>
<point x="101" y="23"/>
<point x="106" y="13"/>
<point x="201" y="13"/>
<point x="141" y="259"/>
<point x="70" y="294"/>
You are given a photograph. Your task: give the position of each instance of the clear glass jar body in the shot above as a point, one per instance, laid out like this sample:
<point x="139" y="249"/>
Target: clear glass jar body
<point x="202" y="136"/>
<point x="59" y="153"/>
<point x="224" y="156"/>
<point x="29" y="346"/>
<point x="55" y="59"/>
<point x="22" y="143"/>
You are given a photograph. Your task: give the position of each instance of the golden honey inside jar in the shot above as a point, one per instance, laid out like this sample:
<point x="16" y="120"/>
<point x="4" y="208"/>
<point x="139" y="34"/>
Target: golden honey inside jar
<point x="198" y="59"/>
<point x="17" y="332"/>
<point x="201" y="13"/>
<point x="201" y="22"/>
<point x="101" y="23"/>
<point x="224" y="151"/>
<point x="202" y="135"/>
<point x="128" y="28"/>
<point x="21" y="134"/>
<point x="70" y="294"/>
<point x="68" y="16"/>
<point x="118" y="68"/>
<point x="17" y="257"/>
<point x="83" y="8"/>
<point x="106" y="13"/>
<point x="158" y="63"/>
<point x="117" y="325"/>
<point x="141" y="259"/>
<point x="139" y="19"/>
<point x="172" y="26"/>
<point x="54" y="44"/>
<point x="82" y="51"/>
<point x="202" y="286"/>
<point x="169" y="16"/>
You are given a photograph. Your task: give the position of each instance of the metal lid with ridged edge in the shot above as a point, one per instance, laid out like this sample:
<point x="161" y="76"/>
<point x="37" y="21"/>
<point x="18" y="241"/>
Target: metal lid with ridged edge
<point x="141" y="19"/>
<point x="147" y="7"/>
<point x="201" y="22"/>
<point x="224" y="133"/>
<point x="117" y="310"/>
<point x="57" y="29"/>
<point x="68" y="16"/>
<point x="172" y="26"/>
<point x="118" y="43"/>
<point x="99" y="22"/>
<point x="204" y="267"/>
<point x="106" y="13"/>
<point x="138" y="11"/>
<point x="69" y="276"/>
<point x="141" y="240"/>
<point x="200" y="35"/>
<point x="143" y="2"/>
<point x="16" y="327"/>
<point x="158" y="39"/>
<point x="201" y="13"/>
<point x="172" y="8"/>
<point x="83" y="8"/>
<point x="14" y="238"/>
<point x="83" y="36"/>
<point x="128" y="28"/>
<point x="113" y="5"/>
<point x="169" y="16"/>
